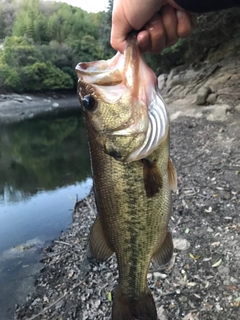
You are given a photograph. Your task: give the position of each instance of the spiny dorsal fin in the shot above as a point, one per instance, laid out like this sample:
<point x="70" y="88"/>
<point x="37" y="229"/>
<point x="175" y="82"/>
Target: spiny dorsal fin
<point x="152" y="178"/>
<point x="172" y="176"/>
<point x="164" y="253"/>
<point x="98" y="245"/>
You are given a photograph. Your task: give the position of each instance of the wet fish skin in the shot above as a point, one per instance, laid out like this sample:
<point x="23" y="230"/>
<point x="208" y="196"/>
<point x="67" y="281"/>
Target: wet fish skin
<point x="133" y="196"/>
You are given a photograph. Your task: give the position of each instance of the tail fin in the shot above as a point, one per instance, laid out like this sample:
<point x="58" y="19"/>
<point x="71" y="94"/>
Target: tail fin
<point x="125" y="308"/>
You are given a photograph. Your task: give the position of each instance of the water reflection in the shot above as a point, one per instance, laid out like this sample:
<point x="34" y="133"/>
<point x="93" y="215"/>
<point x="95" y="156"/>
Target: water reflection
<point x="42" y="154"/>
<point x="44" y="164"/>
<point x="40" y="162"/>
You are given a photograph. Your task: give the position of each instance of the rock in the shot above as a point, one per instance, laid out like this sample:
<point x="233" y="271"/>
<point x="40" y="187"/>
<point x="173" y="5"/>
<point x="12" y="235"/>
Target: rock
<point x="158" y="275"/>
<point x="202" y="95"/>
<point x="162" y="81"/>
<point x="176" y="71"/>
<point x="220" y="80"/>
<point x="18" y="250"/>
<point x="16" y="95"/>
<point x="212" y="98"/>
<point x="97" y="303"/>
<point x="176" y="90"/>
<point x="181" y="244"/>
<point x="218" y="113"/>
<point x="28" y="98"/>
<point x="174" y="77"/>
<point x="174" y="81"/>
<point x="162" y="313"/>
<point x="55" y="105"/>
<point x="209" y="229"/>
<point x="47" y="100"/>
<point x="149" y="276"/>
<point x="190" y="75"/>
<point x="224" y="270"/>
<point x="3" y="96"/>
<point x="19" y="99"/>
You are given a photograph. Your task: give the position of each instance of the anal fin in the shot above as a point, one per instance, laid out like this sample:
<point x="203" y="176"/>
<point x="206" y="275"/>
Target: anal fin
<point x="164" y="254"/>
<point x="99" y="248"/>
<point x="152" y="177"/>
<point x="172" y="175"/>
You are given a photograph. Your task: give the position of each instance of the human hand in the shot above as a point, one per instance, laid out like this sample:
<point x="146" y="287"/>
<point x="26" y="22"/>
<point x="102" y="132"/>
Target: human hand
<point x="160" y="23"/>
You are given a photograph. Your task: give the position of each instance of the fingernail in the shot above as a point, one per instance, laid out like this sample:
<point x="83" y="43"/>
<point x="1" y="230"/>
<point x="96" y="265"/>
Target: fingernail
<point x="180" y="15"/>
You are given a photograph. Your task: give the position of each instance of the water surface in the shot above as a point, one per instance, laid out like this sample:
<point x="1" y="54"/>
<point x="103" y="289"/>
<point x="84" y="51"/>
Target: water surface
<point x="44" y="164"/>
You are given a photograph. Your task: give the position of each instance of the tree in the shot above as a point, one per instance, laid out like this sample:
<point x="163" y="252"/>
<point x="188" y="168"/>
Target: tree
<point x="49" y="38"/>
<point x="105" y="30"/>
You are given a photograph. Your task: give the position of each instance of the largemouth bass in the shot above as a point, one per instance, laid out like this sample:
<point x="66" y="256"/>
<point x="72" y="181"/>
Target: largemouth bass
<point x="128" y="131"/>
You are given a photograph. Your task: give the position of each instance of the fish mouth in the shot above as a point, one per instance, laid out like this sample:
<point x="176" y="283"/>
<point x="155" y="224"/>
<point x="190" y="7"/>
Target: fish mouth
<point x="101" y="72"/>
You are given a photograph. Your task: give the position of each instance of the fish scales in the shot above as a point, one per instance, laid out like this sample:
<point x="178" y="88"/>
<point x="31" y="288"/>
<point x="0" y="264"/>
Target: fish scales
<point x="133" y="196"/>
<point x="132" y="222"/>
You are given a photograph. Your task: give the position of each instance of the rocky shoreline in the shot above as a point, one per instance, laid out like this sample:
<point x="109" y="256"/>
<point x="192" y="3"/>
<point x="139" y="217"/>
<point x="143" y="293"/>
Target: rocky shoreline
<point x="15" y="107"/>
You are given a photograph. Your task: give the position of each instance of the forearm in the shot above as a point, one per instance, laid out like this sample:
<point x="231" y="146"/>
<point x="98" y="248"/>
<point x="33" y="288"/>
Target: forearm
<point x="200" y="6"/>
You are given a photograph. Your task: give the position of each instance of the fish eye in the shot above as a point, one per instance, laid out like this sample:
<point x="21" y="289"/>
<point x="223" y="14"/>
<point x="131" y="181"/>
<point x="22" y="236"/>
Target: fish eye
<point x="88" y="102"/>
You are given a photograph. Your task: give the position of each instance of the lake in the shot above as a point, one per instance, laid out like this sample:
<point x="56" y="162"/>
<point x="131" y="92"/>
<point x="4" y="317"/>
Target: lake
<point x="44" y="165"/>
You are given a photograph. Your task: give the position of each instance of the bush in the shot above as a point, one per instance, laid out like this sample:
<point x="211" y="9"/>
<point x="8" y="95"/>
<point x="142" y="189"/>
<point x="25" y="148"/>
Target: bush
<point x="23" y="68"/>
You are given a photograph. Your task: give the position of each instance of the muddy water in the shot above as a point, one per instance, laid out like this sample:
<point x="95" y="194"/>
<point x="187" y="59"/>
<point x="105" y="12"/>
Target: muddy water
<point x="44" y="164"/>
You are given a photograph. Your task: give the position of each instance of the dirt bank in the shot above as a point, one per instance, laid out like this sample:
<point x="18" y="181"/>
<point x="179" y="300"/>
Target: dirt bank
<point x="203" y="279"/>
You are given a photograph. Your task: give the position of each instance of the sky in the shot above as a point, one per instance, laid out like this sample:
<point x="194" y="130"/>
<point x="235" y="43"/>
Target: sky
<point x="89" y="5"/>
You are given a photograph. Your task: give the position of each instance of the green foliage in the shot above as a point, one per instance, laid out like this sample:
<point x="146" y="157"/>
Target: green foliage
<point x="19" y="51"/>
<point x="105" y="29"/>
<point x="43" y="76"/>
<point x="46" y="41"/>
<point x="23" y="67"/>
<point x="10" y="76"/>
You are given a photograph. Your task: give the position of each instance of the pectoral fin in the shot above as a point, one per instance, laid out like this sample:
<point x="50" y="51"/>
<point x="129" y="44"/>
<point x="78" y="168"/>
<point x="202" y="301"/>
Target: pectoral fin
<point x="98" y="245"/>
<point x="164" y="254"/>
<point x="172" y="175"/>
<point x="152" y="178"/>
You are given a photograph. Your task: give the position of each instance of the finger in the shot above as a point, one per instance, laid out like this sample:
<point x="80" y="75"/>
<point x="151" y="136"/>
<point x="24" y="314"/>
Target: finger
<point x="157" y="34"/>
<point x="170" y="23"/>
<point x="144" y="40"/>
<point x="118" y="36"/>
<point x="185" y="26"/>
<point x="117" y="41"/>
